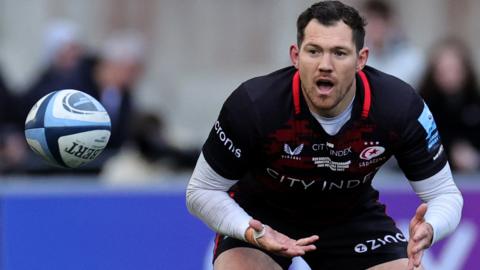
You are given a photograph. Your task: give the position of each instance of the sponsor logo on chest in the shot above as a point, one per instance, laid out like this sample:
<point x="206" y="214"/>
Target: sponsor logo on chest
<point x="292" y="154"/>
<point x="329" y="153"/>
<point x="326" y="155"/>
<point x="324" y="184"/>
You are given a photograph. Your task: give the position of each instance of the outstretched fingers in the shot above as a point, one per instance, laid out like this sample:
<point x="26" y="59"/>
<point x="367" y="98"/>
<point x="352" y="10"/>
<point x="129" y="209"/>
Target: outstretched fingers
<point x="307" y="242"/>
<point x="271" y="240"/>
<point x="421" y="211"/>
<point x="303" y="245"/>
<point x="415" y="260"/>
<point x="419" y="215"/>
<point x="421" y="235"/>
<point x="286" y="246"/>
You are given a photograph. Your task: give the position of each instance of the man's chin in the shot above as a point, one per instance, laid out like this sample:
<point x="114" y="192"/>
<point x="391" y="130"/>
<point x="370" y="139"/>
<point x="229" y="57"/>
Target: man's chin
<point x="324" y="109"/>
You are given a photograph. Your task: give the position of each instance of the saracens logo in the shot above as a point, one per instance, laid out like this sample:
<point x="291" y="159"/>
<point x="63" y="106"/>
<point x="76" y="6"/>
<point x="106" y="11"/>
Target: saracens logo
<point x="371" y="152"/>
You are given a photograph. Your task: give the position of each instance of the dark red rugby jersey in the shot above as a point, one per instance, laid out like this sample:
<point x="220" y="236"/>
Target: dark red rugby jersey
<point x="266" y="137"/>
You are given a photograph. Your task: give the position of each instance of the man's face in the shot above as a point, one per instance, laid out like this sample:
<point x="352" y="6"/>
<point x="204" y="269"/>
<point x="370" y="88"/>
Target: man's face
<point x="327" y="62"/>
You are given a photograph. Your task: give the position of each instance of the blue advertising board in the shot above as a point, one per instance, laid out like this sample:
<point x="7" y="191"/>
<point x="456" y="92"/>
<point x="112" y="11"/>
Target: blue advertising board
<point x="150" y="229"/>
<point x="101" y="231"/>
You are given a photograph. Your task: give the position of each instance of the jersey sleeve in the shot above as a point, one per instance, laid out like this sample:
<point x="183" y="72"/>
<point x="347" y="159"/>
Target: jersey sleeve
<point x="230" y="142"/>
<point x="420" y="154"/>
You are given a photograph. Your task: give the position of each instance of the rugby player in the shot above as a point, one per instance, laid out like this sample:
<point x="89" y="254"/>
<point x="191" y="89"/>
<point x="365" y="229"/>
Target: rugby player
<point x="288" y="166"/>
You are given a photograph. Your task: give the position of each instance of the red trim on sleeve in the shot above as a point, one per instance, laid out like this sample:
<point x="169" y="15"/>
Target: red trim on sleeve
<point x="296" y="92"/>
<point x="367" y="95"/>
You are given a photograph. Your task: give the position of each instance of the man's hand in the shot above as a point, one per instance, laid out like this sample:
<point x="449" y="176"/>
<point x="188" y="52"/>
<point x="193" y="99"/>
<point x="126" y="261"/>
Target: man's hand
<point x="277" y="242"/>
<point x="421" y="236"/>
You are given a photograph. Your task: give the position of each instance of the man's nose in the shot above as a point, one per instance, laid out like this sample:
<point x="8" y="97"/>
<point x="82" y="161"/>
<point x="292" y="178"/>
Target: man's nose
<point x="325" y="63"/>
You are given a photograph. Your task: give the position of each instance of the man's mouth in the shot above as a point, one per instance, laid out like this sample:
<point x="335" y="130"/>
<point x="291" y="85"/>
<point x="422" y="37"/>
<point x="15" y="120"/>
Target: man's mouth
<point x="324" y="85"/>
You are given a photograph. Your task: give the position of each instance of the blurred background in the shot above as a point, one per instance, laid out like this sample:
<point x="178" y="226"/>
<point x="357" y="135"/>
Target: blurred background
<point x="162" y="69"/>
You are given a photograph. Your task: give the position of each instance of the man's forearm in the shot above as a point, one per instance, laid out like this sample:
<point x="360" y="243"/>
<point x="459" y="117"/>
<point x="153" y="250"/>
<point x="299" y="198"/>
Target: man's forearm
<point x="444" y="201"/>
<point x="208" y="199"/>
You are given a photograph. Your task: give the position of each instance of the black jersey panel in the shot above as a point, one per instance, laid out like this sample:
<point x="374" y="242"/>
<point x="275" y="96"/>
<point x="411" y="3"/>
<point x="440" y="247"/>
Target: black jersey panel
<point x="421" y="153"/>
<point x="390" y="100"/>
<point x="230" y="141"/>
<point x="257" y="107"/>
<point x="271" y="97"/>
<point x="400" y="111"/>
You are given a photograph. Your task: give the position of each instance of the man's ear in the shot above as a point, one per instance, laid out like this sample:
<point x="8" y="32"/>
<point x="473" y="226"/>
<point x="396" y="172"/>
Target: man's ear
<point x="294" y="55"/>
<point x="362" y="58"/>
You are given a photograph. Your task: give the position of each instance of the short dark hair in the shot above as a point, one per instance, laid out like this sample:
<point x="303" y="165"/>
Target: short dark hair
<point x="330" y="12"/>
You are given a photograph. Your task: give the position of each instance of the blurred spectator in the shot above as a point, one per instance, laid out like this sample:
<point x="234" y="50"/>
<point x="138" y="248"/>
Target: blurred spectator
<point x="149" y="152"/>
<point x="110" y="77"/>
<point x="119" y="67"/>
<point x="6" y="105"/>
<point x="12" y="141"/>
<point x="389" y="49"/>
<point x="451" y="91"/>
<point x="149" y="155"/>
<point x="112" y="80"/>
<point x="149" y="137"/>
<point x="65" y="63"/>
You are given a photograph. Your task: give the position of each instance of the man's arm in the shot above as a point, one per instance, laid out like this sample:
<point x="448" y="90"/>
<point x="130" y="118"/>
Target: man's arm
<point x="207" y="198"/>
<point x="437" y="217"/>
<point x="444" y="202"/>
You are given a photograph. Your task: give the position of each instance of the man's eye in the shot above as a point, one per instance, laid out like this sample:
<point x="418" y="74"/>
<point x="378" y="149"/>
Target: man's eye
<point x="339" y="53"/>
<point x="312" y="51"/>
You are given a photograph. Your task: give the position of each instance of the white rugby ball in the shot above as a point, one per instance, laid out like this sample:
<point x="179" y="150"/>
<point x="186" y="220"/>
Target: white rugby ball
<point x="68" y="128"/>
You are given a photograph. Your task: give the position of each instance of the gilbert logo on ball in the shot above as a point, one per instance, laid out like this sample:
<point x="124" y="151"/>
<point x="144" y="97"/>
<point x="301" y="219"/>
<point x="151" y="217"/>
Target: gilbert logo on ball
<point x="68" y="128"/>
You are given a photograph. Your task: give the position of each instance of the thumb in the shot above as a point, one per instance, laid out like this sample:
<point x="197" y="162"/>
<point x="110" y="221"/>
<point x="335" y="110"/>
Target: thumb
<point x="256" y="225"/>
<point x="421" y="210"/>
